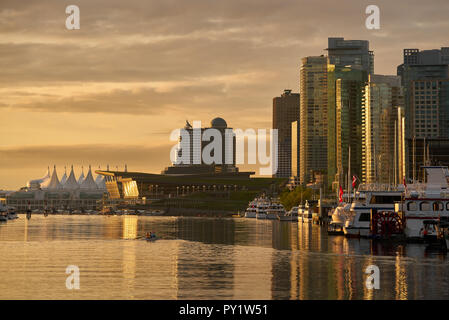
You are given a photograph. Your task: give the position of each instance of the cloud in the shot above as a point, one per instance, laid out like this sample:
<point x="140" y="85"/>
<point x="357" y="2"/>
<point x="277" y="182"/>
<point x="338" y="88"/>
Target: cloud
<point x="147" y="65"/>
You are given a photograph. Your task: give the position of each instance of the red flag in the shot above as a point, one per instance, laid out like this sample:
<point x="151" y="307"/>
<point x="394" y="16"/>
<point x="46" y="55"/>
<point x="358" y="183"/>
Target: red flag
<point x="354" y="180"/>
<point x="340" y="195"/>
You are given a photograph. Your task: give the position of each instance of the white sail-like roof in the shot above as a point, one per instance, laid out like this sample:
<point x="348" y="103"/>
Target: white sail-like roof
<point x="81" y="177"/>
<point x="99" y="177"/>
<point x="54" y="181"/>
<point x="71" y="183"/>
<point x="89" y="183"/>
<point x="99" y="180"/>
<point x="64" y="177"/>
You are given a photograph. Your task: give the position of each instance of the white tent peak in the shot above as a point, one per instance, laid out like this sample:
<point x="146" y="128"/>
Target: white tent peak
<point x="64" y="177"/>
<point x="89" y="182"/>
<point x="71" y="183"/>
<point x="54" y="183"/>
<point x="81" y="177"/>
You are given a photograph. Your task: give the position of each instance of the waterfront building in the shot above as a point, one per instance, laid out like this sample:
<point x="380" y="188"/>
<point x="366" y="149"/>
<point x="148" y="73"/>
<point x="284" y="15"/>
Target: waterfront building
<point x="313" y="118"/>
<point x="189" y="159"/>
<point x="383" y="153"/>
<point x="49" y="193"/>
<point x="285" y="111"/>
<point x="345" y="94"/>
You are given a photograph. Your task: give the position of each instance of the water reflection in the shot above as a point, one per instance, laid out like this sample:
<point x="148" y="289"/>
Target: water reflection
<point x="206" y="258"/>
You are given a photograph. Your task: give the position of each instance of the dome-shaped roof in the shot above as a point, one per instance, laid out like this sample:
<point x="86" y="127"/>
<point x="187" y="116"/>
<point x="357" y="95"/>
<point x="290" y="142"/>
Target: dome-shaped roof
<point x="218" y="123"/>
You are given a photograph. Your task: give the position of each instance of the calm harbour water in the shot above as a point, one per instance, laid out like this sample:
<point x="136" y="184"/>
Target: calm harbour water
<point x="206" y="258"/>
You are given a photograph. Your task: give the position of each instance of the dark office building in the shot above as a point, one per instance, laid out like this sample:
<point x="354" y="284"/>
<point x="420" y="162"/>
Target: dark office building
<point x="285" y="111"/>
<point x="425" y="78"/>
<point x="353" y="53"/>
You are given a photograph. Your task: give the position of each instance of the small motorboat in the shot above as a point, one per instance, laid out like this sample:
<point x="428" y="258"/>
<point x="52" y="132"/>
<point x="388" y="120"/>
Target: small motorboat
<point x="335" y="229"/>
<point x="3" y="217"/>
<point x="149" y="236"/>
<point x="12" y="213"/>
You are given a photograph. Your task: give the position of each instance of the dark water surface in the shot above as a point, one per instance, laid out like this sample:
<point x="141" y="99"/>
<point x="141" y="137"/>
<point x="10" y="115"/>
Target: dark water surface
<point x="206" y="258"/>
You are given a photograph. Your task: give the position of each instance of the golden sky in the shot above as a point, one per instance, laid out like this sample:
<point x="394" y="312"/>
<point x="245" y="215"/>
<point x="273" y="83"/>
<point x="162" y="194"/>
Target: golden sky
<point x="111" y="92"/>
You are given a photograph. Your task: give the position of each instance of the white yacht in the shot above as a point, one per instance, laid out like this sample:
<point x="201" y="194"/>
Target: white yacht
<point x="251" y="211"/>
<point x="425" y="201"/>
<point x="339" y="215"/>
<point x="358" y="222"/>
<point x="275" y="210"/>
<point x="305" y="213"/>
<point x="292" y="215"/>
<point x="261" y="210"/>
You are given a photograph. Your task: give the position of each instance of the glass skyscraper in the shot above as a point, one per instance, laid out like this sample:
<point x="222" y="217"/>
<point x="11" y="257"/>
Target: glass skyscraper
<point x="313" y="118"/>
<point x="383" y="129"/>
<point x="345" y="92"/>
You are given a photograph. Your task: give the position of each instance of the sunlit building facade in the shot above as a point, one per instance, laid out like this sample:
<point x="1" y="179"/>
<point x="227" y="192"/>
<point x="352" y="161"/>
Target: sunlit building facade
<point x="295" y="149"/>
<point x="285" y="111"/>
<point x="313" y="118"/>
<point x="345" y="94"/>
<point x="383" y="142"/>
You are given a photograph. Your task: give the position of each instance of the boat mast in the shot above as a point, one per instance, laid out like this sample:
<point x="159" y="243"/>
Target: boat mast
<point x="414" y="157"/>
<point x="349" y="174"/>
<point x="395" y="152"/>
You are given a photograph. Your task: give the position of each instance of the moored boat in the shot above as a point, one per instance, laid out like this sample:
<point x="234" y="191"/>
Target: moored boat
<point x="261" y="209"/>
<point x="358" y="223"/>
<point x="425" y="202"/>
<point x="291" y="215"/>
<point x="275" y="210"/>
<point x="305" y="213"/>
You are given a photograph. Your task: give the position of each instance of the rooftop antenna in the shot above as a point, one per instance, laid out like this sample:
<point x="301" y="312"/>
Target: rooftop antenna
<point x="126" y="167"/>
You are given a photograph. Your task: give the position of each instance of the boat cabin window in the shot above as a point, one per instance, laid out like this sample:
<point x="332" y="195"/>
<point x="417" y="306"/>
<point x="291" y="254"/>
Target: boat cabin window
<point x="365" y="216"/>
<point x="438" y="206"/>
<point x="412" y="206"/>
<point x="424" y="206"/>
<point x="378" y="199"/>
